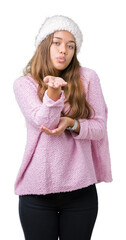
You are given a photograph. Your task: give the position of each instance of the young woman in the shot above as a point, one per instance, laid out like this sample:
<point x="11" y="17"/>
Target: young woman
<point x="67" y="150"/>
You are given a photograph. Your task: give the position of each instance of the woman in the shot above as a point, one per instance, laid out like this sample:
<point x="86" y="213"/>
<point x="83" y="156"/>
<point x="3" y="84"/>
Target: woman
<point x="67" y="149"/>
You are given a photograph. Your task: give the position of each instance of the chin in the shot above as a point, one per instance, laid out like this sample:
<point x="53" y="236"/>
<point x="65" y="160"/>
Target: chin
<point x="60" y="68"/>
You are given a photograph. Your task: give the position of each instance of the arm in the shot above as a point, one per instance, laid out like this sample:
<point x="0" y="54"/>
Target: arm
<point x="93" y="128"/>
<point x="54" y="93"/>
<point x="36" y="112"/>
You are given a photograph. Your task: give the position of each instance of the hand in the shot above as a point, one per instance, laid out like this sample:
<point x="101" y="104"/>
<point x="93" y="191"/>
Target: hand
<point x="54" y="82"/>
<point x="63" y="124"/>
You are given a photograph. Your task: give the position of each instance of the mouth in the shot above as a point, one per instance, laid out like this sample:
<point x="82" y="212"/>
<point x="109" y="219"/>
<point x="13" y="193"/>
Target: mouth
<point x="61" y="59"/>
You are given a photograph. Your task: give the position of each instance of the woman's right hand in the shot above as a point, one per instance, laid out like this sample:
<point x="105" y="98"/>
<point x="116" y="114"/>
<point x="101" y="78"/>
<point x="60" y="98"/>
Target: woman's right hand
<point x="54" y="82"/>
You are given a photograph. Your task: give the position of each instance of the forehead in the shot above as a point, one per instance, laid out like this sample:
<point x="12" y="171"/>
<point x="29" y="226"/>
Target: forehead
<point x="64" y="35"/>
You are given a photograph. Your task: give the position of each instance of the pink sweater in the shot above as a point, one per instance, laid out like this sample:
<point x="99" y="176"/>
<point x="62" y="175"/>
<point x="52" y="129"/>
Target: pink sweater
<point x="72" y="160"/>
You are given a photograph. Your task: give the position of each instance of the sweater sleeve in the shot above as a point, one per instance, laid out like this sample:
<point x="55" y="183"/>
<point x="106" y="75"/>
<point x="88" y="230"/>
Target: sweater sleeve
<point x="38" y="113"/>
<point x="93" y="128"/>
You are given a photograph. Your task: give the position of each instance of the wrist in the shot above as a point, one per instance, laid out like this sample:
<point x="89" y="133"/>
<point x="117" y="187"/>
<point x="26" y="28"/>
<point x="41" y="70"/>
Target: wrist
<point x="54" y="89"/>
<point x="73" y="125"/>
<point x="70" y="122"/>
<point x="54" y="93"/>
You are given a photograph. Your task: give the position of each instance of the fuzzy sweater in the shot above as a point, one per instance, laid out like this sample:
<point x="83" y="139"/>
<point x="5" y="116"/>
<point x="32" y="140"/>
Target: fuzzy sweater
<point x="72" y="160"/>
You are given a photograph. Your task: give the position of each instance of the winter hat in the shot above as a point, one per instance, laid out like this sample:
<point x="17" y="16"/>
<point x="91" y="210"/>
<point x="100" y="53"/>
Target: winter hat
<point x="56" y="23"/>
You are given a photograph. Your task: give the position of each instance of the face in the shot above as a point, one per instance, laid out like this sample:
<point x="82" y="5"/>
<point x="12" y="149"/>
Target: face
<point x="62" y="49"/>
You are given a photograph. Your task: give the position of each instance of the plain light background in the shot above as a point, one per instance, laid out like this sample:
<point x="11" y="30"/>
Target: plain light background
<point x="104" y="50"/>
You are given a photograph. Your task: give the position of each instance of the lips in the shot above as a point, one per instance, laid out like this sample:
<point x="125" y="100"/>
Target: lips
<point x="61" y="59"/>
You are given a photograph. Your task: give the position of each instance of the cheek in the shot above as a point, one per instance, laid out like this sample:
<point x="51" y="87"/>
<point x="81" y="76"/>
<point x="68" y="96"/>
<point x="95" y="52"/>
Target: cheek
<point x="71" y="56"/>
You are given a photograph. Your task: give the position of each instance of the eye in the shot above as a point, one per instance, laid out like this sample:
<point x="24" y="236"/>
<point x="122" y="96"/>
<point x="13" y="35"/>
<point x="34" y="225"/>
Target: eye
<point x="70" y="46"/>
<point x="56" y="43"/>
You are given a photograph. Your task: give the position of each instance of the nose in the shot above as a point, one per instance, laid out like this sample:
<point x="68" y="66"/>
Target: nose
<point x="63" y="49"/>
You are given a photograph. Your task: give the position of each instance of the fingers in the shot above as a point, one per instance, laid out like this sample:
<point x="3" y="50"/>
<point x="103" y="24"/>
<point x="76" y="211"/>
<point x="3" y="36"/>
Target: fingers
<point x="49" y="81"/>
<point x="48" y="131"/>
<point x="64" y="83"/>
<point x="47" y="78"/>
<point x="54" y="82"/>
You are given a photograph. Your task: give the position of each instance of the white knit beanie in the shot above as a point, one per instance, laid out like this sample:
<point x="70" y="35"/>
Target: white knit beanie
<point x="56" y="23"/>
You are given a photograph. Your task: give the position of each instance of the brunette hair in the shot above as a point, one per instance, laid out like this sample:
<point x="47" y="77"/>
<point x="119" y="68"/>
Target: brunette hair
<point x="40" y="66"/>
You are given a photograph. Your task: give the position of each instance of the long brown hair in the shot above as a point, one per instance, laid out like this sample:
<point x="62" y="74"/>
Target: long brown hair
<point x="40" y="66"/>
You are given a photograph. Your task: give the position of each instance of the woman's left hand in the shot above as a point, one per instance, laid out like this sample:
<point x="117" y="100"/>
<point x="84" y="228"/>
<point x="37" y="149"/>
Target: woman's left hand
<point x="63" y="124"/>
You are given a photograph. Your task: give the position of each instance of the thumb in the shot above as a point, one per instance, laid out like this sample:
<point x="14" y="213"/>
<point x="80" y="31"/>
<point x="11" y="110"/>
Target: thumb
<point x="46" y="79"/>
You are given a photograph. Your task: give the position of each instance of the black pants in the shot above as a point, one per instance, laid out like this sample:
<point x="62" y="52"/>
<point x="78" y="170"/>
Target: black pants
<point x="68" y="215"/>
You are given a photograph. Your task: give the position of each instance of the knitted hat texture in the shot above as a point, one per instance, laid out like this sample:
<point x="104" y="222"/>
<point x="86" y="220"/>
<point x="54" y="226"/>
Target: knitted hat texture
<point x="57" y="23"/>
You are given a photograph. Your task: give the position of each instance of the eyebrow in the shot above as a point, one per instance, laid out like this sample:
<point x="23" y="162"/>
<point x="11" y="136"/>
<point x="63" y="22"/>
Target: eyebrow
<point x="62" y="39"/>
